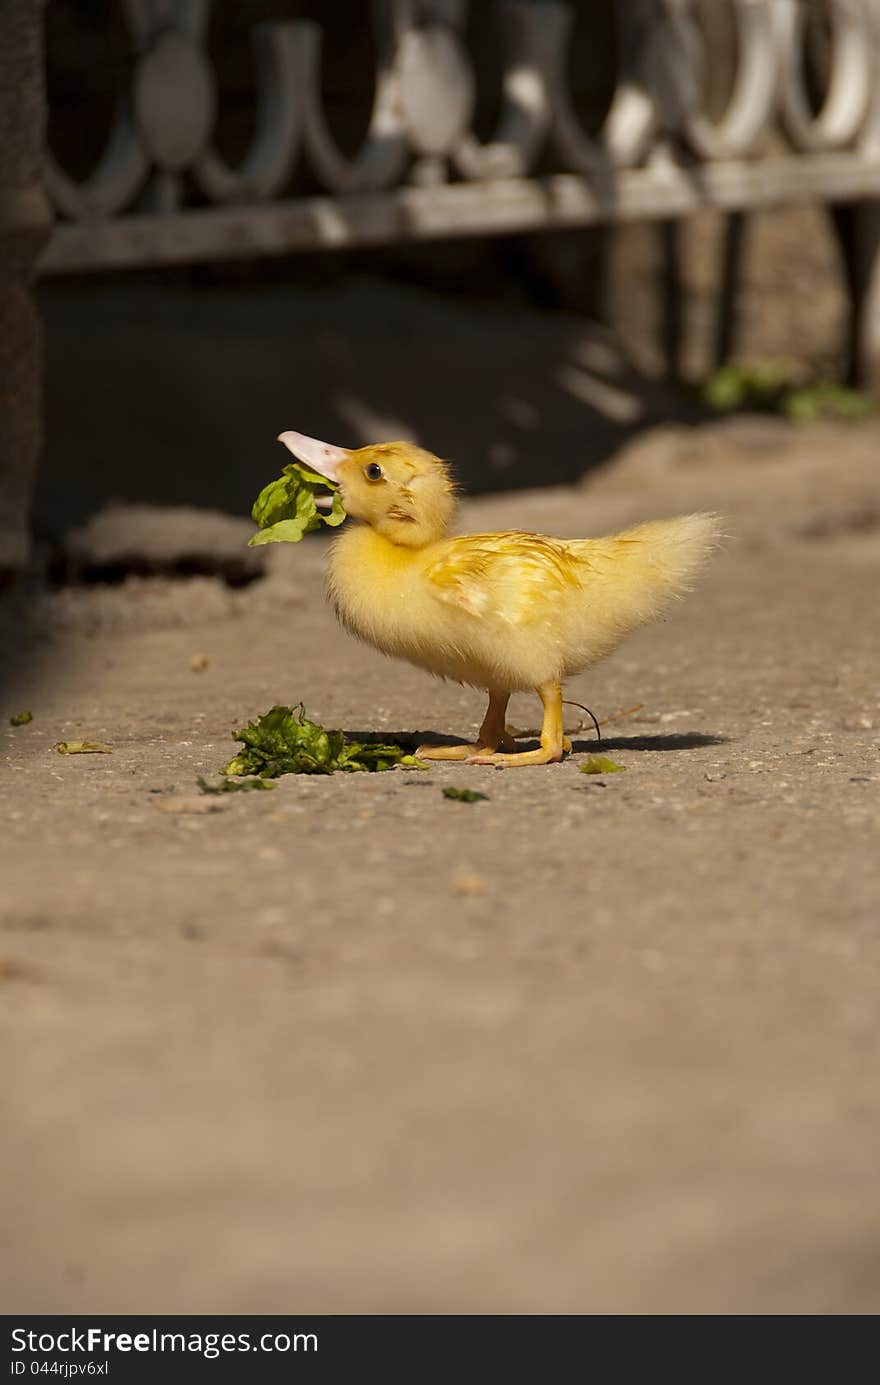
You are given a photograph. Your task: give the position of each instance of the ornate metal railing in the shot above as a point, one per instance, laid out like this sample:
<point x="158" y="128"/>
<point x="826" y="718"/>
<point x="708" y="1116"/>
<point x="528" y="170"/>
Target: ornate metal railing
<point x="162" y="192"/>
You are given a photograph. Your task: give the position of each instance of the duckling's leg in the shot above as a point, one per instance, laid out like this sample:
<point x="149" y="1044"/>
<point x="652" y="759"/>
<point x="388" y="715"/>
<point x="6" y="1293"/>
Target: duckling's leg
<point x="553" y="742"/>
<point x="492" y="735"/>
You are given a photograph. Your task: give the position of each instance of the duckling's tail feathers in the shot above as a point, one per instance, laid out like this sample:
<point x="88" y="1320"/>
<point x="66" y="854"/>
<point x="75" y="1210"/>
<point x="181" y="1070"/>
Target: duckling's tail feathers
<point x="634" y="575"/>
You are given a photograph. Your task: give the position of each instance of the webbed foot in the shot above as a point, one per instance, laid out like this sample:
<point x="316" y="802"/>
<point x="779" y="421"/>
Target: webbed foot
<point x="541" y="756"/>
<point x="465" y="752"/>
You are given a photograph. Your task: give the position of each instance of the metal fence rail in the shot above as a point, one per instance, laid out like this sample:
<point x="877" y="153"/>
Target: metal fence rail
<point x="162" y="193"/>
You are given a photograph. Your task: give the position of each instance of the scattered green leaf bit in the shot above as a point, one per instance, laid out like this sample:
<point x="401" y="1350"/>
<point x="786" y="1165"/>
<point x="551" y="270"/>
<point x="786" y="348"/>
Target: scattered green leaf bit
<point x="286" y="509"/>
<point x="83" y="748"/>
<point x="600" y="764"/>
<point x="21" y="719"/>
<point x="464" y="795"/>
<point x="234" y="785"/>
<point x="284" y="741"/>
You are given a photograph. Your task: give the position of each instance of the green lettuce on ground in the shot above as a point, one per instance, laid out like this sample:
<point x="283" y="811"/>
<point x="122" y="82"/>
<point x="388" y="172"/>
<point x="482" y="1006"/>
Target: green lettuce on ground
<point x="285" y="741"/>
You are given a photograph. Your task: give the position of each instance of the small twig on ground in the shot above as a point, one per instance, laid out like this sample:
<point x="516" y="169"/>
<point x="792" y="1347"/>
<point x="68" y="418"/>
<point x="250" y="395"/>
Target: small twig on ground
<point x="618" y="716"/>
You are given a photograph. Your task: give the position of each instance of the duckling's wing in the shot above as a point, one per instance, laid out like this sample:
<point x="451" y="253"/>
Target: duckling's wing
<point x="514" y="576"/>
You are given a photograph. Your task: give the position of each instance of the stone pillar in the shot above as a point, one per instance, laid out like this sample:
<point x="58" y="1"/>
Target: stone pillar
<point x="25" y="222"/>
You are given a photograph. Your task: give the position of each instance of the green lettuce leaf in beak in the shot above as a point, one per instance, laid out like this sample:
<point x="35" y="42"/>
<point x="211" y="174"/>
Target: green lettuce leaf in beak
<point x="287" y="509"/>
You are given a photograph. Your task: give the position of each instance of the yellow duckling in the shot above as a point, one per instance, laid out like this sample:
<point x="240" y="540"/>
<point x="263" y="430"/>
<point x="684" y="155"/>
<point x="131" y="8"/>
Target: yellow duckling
<point x="508" y="612"/>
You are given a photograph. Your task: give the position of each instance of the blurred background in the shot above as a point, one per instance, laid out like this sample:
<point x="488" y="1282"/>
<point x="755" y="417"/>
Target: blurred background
<point x="525" y="358"/>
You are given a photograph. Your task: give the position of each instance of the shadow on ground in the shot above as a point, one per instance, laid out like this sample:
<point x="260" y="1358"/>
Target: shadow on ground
<point x="174" y="395"/>
<point x="684" y="740"/>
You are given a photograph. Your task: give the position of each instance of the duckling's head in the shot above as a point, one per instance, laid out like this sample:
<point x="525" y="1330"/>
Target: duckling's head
<point x="400" y="490"/>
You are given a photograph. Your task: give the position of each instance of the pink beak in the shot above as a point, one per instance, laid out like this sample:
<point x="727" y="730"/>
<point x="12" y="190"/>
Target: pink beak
<point x="320" y="456"/>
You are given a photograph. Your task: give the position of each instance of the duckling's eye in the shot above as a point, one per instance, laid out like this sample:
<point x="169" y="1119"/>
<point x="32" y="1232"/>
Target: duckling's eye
<point x="373" y="472"/>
